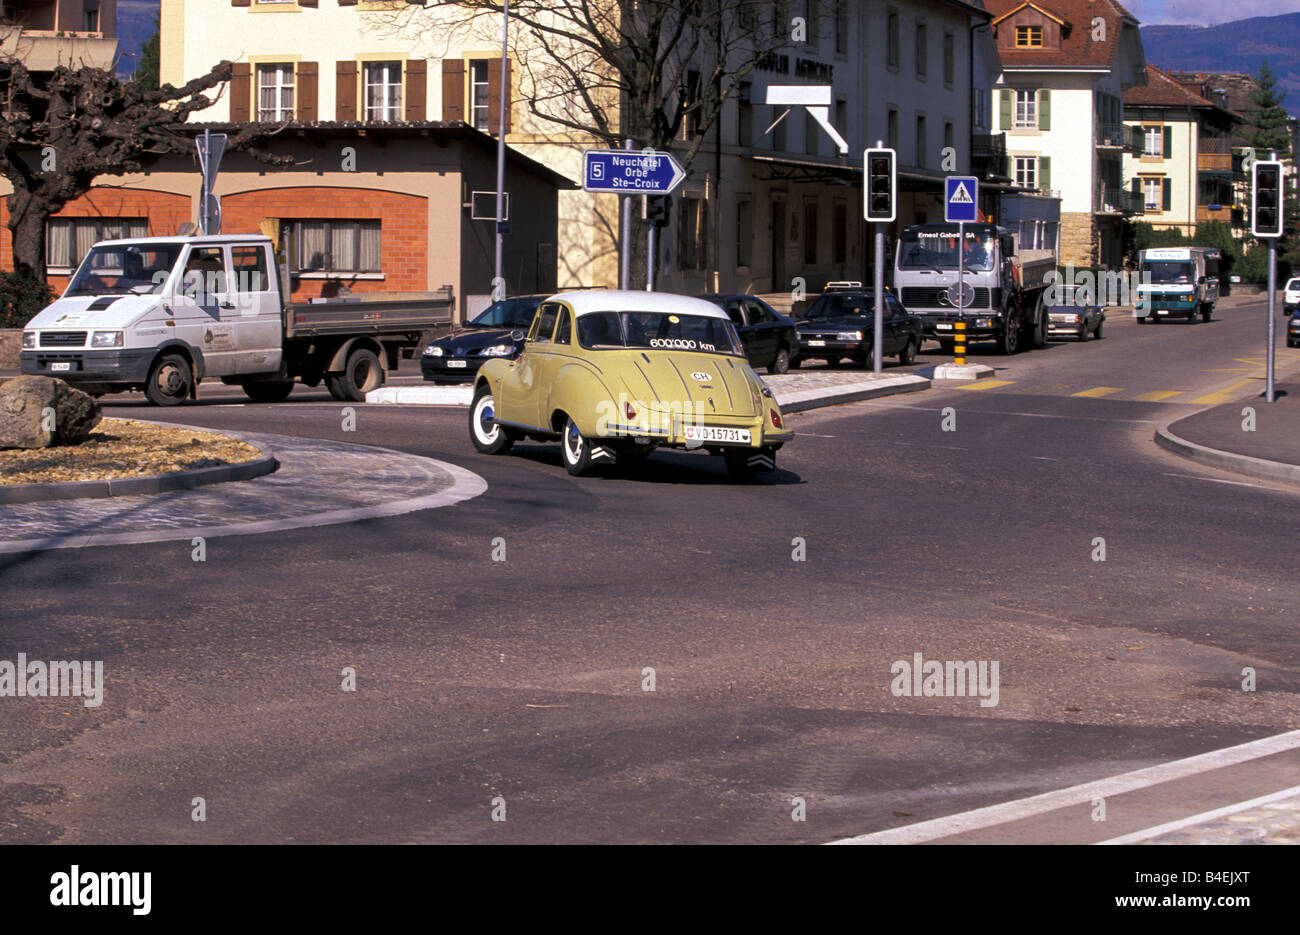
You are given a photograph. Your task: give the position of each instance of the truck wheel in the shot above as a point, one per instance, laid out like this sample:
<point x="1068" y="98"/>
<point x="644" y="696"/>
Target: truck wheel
<point x="361" y="374"/>
<point x="488" y="437"/>
<point x="271" y="392"/>
<point x="1207" y="312"/>
<point x="1040" y="327"/>
<point x="1009" y="339"/>
<point x="781" y="363"/>
<point x="170" y="381"/>
<point x="575" y="449"/>
<point x="946" y="345"/>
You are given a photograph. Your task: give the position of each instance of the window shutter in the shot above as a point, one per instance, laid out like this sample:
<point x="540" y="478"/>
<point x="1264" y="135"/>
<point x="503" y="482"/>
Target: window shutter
<point x="1169" y="142"/>
<point x="347" y="2"/>
<point x="308" y="91"/>
<point x="1005" y="116"/>
<point x="494" y="94"/>
<point x="239" y="2"/>
<point x="1167" y="195"/>
<point x="1136" y="186"/>
<point x="1044" y="172"/>
<point x="453" y="89"/>
<point x="345" y="91"/>
<point x="1011" y="168"/>
<point x="416" y="89"/>
<point x="1045" y="109"/>
<point x="241" y="92"/>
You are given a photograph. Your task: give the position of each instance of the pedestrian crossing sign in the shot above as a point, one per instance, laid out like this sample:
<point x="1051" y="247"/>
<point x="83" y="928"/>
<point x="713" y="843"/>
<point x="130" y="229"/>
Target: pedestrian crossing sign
<point x="961" y="197"/>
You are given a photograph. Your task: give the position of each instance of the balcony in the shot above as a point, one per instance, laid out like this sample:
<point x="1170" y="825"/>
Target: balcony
<point x="1118" y="201"/>
<point x="1214" y="213"/>
<point x="42" y="50"/>
<point x="988" y="154"/>
<point x="1120" y="137"/>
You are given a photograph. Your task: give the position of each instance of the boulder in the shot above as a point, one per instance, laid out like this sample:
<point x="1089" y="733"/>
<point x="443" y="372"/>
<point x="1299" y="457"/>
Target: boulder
<point x="25" y="407"/>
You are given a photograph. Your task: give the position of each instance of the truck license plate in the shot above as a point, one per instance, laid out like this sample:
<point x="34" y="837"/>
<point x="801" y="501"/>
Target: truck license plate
<point x="456" y="364"/>
<point x="65" y="365"/>
<point x="943" y="327"/>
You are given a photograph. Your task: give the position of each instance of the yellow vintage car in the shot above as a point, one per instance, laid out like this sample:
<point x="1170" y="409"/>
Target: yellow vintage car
<point x="616" y="374"/>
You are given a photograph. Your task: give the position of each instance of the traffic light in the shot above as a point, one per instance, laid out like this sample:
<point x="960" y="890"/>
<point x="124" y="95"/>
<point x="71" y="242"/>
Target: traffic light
<point x="1266" y="214"/>
<point x="882" y="185"/>
<point x="658" y="208"/>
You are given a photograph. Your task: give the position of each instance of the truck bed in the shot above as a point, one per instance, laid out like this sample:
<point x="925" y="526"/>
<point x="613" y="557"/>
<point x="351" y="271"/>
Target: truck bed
<point x="375" y="313"/>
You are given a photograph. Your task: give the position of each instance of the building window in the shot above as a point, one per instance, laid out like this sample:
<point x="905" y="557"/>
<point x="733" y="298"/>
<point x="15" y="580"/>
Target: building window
<point x="744" y="232"/>
<point x="1152" y="192"/>
<point x="949" y="58"/>
<point x="1153" y="141"/>
<point x="921" y="142"/>
<point x="478" y="94"/>
<point x="1029" y="37"/>
<point x="745" y="114"/>
<point x="1027" y="171"/>
<point x="840" y="244"/>
<point x="90" y="18"/>
<point x="979" y="107"/>
<point x="690" y="94"/>
<point x="920" y="50"/>
<point x="692" y="249"/>
<point x="812" y="14"/>
<point x="891" y="41"/>
<point x="383" y="90"/>
<point x="333" y="246"/>
<point x="275" y="92"/>
<point x="68" y="240"/>
<point x="891" y="129"/>
<point x="1026" y="110"/>
<point x="841" y="26"/>
<point x="810" y="233"/>
<point x="948" y="135"/>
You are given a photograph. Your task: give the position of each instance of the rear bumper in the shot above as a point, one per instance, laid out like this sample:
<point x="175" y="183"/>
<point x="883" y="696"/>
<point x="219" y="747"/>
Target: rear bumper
<point x="107" y="366"/>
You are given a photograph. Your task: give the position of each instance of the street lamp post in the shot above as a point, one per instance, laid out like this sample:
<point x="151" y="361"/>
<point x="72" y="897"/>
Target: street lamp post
<point x="498" y="284"/>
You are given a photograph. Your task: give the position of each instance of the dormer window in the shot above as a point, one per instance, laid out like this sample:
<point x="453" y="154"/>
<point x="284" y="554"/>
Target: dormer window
<point x="1029" y="37"/>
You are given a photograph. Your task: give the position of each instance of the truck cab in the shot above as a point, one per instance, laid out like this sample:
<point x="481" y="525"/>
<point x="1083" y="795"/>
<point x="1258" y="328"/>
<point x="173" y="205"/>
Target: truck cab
<point x="160" y="314"/>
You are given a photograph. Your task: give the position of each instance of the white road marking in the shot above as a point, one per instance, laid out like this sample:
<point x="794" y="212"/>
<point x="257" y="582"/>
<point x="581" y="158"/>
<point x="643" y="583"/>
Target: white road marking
<point x="1212" y="480"/>
<point x="1077" y="795"/>
<point x="1203" y="817"/>
<point x="1042" y="458"/>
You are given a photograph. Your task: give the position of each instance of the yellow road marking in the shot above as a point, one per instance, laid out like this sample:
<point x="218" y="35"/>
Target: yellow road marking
<point x="986" y="384"/>
<point x="1231" y="370"/>
<point x="1157" y="396"/>
<point x="1099" y="391"/>
<point x="1224" y="395"/>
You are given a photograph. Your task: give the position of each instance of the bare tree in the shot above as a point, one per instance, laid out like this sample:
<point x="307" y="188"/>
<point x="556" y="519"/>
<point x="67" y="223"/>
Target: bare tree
<point x="61" y="131"/>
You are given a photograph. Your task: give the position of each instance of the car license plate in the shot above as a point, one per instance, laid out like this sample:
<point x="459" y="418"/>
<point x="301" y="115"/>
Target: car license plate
<point x="66" y="365"/>
<point x="943" y="327"/>
<point x="816" y="343"/>
<point x="456" y="363"/>
<point x="713" y="433"/>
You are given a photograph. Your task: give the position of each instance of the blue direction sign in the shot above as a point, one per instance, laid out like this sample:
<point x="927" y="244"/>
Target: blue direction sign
<point x="630" y="172"/>
<point x="961" y="198"/>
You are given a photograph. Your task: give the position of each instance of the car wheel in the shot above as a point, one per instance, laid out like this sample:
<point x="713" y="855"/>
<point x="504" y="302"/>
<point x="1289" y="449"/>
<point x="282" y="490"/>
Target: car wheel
<point x="575" y="449"/>
<point x="781" y="363"/>
<point x="170" y="381"/>
<point x="488" y="437"/>
<point x="1206" y="313"/>
<point x="946" y="345"/>
<point x="796" y="362"/>
<point x="745" y="464"/>
<point x="274" y="392"/>
<point x="907" y="356"/>
<point x="1083" y="334"/>
<point x="1097" y="331"/>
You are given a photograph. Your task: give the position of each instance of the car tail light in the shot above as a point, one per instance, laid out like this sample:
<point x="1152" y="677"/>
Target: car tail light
<point x="629" y="411"/>
<point x="776" y="418"/>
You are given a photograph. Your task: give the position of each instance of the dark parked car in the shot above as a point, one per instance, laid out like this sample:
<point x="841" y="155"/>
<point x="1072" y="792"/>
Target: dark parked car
<point x="1071" y="310"/>
<point x="841" y="324"/>
<point x="1293" y="330"/>
<point x="769" y="337"/>
<point x="497" y="331"/>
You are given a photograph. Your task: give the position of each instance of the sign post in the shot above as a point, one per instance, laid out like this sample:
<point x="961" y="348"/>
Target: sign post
<point x="211" y="146"/>
<point x="625" y="173"/>
<point x="961" y="204"/>
<point x="1267" y="222"/>
<point x="879" y="204"/>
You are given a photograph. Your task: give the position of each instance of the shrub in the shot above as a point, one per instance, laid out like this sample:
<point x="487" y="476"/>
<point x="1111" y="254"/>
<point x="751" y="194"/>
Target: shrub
<point x="21" y="298"/>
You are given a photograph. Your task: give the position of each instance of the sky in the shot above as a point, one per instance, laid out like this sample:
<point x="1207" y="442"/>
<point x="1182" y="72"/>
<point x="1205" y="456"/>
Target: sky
<point x="1202" y="12"/>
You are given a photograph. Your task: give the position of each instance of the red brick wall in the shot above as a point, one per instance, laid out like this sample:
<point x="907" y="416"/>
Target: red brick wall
<point x="166" y="213"/>
<point x="403" y="230"/>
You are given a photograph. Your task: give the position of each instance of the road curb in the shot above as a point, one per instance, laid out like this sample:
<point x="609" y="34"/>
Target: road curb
<point x="154" y="483"/>
<point x="1225" y="460"/>
<point x="803" y="400"/>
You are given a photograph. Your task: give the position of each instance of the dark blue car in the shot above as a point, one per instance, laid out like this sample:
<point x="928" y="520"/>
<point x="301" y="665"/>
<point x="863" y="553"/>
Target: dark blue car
<point x="497" y="331"/>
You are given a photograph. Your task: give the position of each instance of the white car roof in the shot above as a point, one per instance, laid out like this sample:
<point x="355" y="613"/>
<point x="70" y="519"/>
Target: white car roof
<point x="191" y="238"/>
<point x="631" y="300"/>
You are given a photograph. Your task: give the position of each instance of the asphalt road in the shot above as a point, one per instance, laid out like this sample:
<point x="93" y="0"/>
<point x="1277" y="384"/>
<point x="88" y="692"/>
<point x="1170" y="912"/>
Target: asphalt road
<point x="524" y="679"/>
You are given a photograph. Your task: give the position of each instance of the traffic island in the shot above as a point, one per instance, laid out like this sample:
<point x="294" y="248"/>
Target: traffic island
<point x="1249" y="436"/>
<point x="126" y="456"/>
<point x="962" y="371"/>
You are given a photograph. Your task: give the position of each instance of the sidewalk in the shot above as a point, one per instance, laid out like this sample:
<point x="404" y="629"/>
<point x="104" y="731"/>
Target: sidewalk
<point x="1219" y="436"/>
